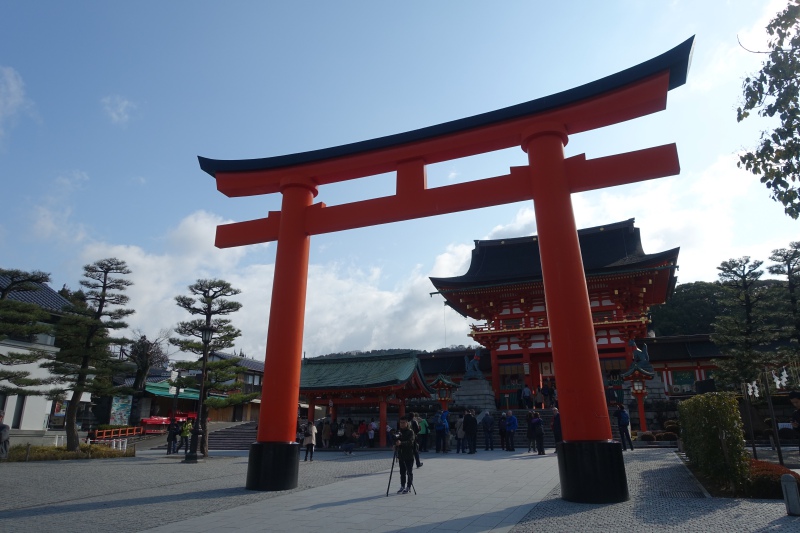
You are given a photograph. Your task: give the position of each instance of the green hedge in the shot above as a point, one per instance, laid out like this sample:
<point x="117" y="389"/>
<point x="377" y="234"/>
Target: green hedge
<point x="713" y="438"/>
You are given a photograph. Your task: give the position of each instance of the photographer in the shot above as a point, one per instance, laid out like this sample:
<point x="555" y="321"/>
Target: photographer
<point x="404" y="445"/>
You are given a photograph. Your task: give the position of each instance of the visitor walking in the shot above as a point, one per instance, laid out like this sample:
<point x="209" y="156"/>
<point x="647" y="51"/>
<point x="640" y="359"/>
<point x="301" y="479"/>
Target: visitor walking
<point x="471" y="430"/>
<point x="488" y="429"/>
<point x="623" y="420"/>
<point x="309" y="439"/>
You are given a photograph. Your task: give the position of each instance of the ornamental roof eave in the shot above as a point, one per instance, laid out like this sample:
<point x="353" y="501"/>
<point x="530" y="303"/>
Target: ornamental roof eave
<point x="390" y="373"/>
<point x="676" y="61"/>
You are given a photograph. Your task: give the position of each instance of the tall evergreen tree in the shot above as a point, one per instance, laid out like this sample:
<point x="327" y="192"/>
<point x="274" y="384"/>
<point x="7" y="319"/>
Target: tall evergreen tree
<point x="788" y="264"/>
<point x="21" y="320"/>
<point x="85" y="362"/>
<point x="744" y="327"/>
<point x="209" y="301"/>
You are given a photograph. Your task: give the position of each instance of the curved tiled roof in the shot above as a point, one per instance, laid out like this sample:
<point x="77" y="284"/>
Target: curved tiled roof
<point x="44" y="297"/>
<point x="604" y="249"/>
<point x="359" y="372"/>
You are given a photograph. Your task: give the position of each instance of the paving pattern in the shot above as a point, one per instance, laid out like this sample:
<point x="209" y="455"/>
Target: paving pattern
<point x="488" y="491"/>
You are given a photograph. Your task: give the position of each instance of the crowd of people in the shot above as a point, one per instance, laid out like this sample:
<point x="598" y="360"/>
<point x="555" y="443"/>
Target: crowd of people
<point x="440" y="432"/>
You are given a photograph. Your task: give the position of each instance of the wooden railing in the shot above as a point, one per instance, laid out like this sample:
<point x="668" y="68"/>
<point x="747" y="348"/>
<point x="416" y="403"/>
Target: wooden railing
<point x="103" y="434"/>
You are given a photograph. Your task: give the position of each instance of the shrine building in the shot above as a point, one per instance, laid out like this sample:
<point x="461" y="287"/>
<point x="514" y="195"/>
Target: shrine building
<point x="503" y="292"/>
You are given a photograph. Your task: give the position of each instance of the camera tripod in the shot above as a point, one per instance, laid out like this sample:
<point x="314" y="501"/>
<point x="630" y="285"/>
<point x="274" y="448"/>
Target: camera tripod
<point x="394" y="458"/>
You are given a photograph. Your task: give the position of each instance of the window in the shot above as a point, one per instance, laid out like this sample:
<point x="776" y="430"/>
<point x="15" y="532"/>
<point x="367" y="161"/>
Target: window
<point x="18" y="410"/>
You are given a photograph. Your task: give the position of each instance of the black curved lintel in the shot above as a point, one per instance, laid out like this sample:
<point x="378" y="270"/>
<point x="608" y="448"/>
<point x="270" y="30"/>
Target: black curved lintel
<point x="676" y="61"/>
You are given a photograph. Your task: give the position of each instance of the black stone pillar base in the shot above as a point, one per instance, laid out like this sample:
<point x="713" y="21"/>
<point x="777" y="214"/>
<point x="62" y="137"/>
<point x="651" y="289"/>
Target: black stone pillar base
<point x="273" y="466"/>
<point x="592" y="472"/>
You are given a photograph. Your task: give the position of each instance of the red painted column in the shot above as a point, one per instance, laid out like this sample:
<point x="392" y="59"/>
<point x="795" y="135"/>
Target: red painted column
<point x="281" y="384"/>
<point x="580" y="384"/>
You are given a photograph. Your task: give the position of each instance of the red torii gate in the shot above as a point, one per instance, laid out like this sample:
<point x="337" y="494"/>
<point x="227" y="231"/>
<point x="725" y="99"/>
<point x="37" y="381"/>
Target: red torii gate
<point x="591" y="466"/>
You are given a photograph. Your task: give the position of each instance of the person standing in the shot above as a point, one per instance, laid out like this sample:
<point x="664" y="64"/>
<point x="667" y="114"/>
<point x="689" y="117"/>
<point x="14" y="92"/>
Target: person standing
<point x="309" y="439"/>
<point x="404" y="446"/>
<point x="442" y="428"/>
<point x="623" y="420"/>
<point x="537" y="427"/>
<point x="546" y="393"/>
<point x="5" y="437"/>
<point x="471" y="430"/>
<point x="527" y="397"/>
<point x="539" y="399"/>
<point x="326" y="434"/>
<point x="511" y="430"/>
<point x="556" y="427"/>
<point x="172" y="437"/>
<point x="424" y="432"/>
<point x="488" y="430"/>
<point x="413" y="423"/>
<point x="502" y="429"/>
<point x="460" y="434"/>
<point x="186" y="430"/>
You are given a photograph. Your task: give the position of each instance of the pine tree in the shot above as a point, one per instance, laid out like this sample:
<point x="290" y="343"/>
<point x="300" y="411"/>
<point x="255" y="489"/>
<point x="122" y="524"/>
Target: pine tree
<point x="21" y="320"/>
<point x="744" y="327"/>
<point x="788" y="264"/>
<point x="208" y="300"/>
<point x="85" y="362"/>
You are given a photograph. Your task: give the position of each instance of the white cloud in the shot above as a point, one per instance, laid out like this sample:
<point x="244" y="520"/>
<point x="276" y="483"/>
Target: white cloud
<point x="118" y="108"/>
<point x="52" y="216"/>
<point x="729" y="60"/>
<point x="345" y="307"/>
<point x="12" y="97"/>
<point x="524" y="223"/>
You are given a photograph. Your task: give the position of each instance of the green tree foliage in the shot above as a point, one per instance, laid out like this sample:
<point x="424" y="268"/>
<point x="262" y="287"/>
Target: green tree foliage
<point x="773" y="92"/>
<point x="691" y="310"/>
<point x="788" y="264"/>
<point x="21" y="320"/>
<point x="208" y="300"/>
<point x="85" y="362"/>
<point x="744" y="327"/>
<point x="713" y="437"/>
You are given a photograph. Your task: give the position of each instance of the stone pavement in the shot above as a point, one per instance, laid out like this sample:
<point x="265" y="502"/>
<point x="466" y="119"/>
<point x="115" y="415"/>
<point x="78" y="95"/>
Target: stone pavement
<point x="488" y="491"/>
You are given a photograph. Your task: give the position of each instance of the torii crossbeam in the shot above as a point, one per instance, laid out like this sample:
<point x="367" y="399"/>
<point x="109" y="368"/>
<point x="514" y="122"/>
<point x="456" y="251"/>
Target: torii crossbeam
<point x="591" y="467"/>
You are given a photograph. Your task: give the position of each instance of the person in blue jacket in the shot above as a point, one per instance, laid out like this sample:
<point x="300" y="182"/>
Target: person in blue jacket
<point x="511" y="429"/>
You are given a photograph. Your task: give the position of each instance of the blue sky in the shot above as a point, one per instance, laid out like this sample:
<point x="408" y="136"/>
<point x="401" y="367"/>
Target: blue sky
<point x="104" y="108"/>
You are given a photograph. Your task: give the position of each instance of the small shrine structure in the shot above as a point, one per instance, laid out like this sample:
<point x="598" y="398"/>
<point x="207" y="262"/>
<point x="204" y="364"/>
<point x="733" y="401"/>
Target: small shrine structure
<point x="381" y="380"/>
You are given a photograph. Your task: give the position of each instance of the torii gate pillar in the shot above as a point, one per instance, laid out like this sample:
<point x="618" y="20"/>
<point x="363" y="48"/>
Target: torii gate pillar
<point x="588" y="458"/>
<point x="274" y="458"/>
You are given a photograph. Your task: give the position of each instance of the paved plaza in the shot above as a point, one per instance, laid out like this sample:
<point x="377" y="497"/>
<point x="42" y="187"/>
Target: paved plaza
<point x="489" y="491"/>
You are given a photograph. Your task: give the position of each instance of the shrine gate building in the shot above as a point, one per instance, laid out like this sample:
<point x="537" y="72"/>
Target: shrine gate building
<point x="503" y="292"/>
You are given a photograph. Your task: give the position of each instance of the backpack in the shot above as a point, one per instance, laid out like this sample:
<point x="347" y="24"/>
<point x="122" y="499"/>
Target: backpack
<point x="307" y="431"/>
<point x="624" y="418"/>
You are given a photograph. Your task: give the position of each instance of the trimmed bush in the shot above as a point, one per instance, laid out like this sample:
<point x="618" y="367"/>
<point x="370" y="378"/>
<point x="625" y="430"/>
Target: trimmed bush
<point x="19" y="453"/>
<point x="646" y="436"/>
<point x="765" y="480"/>
<point x="713" y="438"/>
<point x="667" y="436"/>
